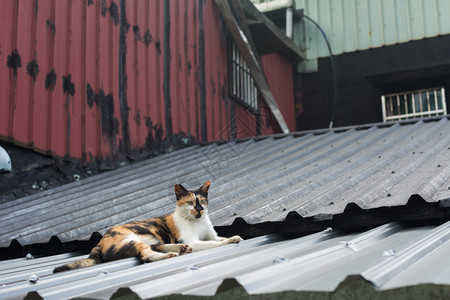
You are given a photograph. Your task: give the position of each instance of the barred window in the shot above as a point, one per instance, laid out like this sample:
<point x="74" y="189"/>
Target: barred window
<point x="241" y="84"/>
<point x="414" y="104"/>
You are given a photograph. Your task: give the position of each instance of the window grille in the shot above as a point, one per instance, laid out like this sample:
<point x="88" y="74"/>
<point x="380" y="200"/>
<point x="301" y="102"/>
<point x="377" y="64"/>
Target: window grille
<point x="242" y="86"/>
<point x="414" y="104"/>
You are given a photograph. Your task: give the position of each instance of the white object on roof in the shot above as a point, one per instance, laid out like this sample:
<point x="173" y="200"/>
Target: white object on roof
<point x="5" y="161"/>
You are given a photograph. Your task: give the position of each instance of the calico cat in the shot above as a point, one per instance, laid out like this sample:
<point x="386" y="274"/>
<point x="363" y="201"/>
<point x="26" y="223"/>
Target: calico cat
<point x="187" y="230"/>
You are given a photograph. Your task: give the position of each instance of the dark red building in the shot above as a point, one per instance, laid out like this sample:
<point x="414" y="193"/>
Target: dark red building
<point x="99" y="79"/>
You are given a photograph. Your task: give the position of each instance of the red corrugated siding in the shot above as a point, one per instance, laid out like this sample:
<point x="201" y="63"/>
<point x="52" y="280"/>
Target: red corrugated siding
<point x="95" y="79"/>
<point x="279" y="73"/>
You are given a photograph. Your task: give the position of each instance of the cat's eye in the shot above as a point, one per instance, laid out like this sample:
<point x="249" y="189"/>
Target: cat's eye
<point x="204" y="201"/>
<point x="190" y="203"/>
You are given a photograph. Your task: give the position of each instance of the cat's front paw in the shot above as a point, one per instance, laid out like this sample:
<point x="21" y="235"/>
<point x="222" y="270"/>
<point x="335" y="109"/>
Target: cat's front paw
<point x="233" y="239"/>
<point x="171" y="254"/>
<point x="236" y="239"/>
<point x="184" y="249"/>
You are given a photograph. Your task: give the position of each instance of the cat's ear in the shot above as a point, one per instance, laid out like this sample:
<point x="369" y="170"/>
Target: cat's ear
<point x="205" y="188"/>
<point x="180" y="191"/>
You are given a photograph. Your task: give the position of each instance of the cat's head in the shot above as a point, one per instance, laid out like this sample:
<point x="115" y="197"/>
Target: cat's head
<point x="193" y="204"/>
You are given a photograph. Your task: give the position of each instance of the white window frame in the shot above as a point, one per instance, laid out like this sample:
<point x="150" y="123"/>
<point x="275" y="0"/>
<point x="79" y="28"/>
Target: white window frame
<point x="242" y="86"/>
<point x="414" y="104"/>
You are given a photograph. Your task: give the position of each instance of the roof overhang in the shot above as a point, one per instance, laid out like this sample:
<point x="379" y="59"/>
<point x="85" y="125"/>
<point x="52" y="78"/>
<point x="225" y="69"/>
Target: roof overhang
<point x="268" y="37"/>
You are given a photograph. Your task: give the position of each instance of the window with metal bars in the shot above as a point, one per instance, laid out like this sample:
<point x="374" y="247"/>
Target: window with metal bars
<point x="414" y="104"/>
<point x="241" y="84"/>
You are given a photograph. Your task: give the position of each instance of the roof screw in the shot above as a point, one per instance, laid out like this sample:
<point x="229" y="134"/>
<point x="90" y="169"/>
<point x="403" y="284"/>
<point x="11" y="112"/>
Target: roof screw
<point x="76" y="177"/>
<point x="191" y="268"/>
<point x="392" y="172"/>
<point x="29" y="256"/>
<point x="280" y="259"/>
<point x="33" y="278"/>
<point x="439" y="166"/>
<point x="103" y="272"/>
<point x="389" y="253"/>
<point x="389" y="195"/>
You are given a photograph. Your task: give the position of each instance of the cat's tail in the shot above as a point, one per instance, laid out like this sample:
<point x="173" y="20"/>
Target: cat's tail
<point x="93" y="259"/>
<point x="83" y="263"/>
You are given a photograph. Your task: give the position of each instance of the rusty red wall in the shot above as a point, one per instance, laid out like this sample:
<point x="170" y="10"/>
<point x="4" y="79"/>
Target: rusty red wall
<point x="279" y="73"/>
<point x="94" y="79"/>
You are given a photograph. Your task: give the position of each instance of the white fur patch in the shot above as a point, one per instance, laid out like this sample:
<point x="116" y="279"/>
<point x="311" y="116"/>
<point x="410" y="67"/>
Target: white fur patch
<point x="148" y="239"/>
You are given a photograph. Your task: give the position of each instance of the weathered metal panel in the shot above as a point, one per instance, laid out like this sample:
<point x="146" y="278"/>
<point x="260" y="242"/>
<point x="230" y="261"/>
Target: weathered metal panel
<point x="48" y="99"/>
<point x="358" y="25"/>
<point x="100" y="79"/>
<point x="388" y="257"/>
<point x="7" y="78"/>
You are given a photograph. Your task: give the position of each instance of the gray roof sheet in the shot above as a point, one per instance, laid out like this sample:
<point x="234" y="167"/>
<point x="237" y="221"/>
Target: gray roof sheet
<point x="312" y="174"/>
<point x="387" y="257"/>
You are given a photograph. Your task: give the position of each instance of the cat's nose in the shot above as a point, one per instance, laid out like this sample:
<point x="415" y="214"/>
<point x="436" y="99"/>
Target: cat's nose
<point x="198" y="207"/>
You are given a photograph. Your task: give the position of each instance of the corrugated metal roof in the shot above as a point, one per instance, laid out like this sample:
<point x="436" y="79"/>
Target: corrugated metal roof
<point x="388" y="257"/>
<point x="259" y="180"/>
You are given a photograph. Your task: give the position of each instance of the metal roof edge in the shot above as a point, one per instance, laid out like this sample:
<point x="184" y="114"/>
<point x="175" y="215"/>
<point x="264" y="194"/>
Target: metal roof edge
<point x="366" y="126"/>
<point x="416" y="211"/>
<point x="352" y="287"/>
<point x="334" y="129"/>
<point x="318" y="131"/>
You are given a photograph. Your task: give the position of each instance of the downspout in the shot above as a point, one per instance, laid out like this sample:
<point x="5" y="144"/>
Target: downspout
<point x="202" y="76"/>
<point x="289" y="21"/>
<point x="123" y="103"/>
<point x="166" y="82"/>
